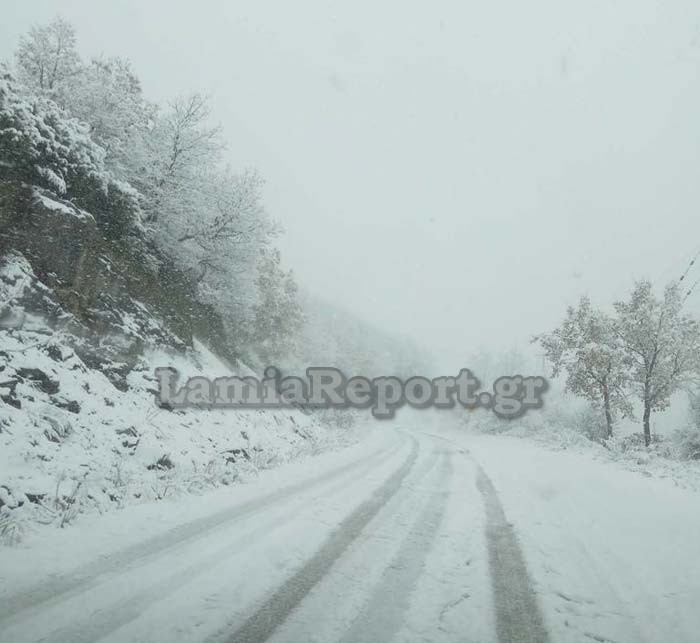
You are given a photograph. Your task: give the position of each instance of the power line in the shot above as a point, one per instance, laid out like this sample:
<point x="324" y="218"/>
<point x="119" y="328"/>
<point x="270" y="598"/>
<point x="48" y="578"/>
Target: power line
<point x="690" y="265"/>
<point x="690" y="290"/>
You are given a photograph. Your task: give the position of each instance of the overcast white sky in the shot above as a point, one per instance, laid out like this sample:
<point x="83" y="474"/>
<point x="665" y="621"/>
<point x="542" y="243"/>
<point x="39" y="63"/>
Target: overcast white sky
<point x="458" y="171"/>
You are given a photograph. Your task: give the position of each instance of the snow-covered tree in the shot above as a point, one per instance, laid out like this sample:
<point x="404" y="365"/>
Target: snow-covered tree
<point x="587" y="348"/>
<point x="661" y="346"/>
<point x="226" y="218"/>
<point x="183" y="148"/>
<point x="44" y="145"/>
<point x="278" y="317"/>
<point x="687" y="438"/>
<point x="335" y="337"/>
<point x="85" y="131"/>
<point x="107" y="95"/>
<point x="208" y="217"/>
<point x="47" y="59"/>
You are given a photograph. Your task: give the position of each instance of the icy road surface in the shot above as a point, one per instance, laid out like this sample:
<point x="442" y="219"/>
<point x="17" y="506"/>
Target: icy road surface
<point x="419" y="533"/>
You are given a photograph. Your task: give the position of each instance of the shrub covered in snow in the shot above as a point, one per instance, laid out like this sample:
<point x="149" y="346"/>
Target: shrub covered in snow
<point x="39" y="140"/>
<point x="112" y="447"/>
<point x="687" y="439"/>
<point x="687" y="442"/>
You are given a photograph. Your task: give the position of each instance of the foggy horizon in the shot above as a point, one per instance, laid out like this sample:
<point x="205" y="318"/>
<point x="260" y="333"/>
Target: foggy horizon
<point x="349" y="322"/>
<point x="457" y="175"/>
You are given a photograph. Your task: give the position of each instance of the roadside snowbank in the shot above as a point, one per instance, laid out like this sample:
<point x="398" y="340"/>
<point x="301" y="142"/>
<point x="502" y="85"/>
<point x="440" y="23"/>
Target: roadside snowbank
<point x="613" y="554"/>
<point x="75" y="440"/>
<point x="563" y="426"/>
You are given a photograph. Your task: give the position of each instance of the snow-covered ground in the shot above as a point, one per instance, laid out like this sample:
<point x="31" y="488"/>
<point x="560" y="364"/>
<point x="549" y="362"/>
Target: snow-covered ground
<point x="562" y="423"/>
<point x="615" y="555"/>
<point x="422" y="531"/>
<point x="73" y="443"/>
<point x="190" y="571"/>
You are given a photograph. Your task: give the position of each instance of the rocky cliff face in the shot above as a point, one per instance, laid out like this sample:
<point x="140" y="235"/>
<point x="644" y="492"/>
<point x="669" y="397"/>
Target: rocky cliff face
<point x="79" y="428"/>
<point x="78" y="283"/>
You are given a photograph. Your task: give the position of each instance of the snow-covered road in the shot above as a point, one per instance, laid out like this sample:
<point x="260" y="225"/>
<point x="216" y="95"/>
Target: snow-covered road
<point x="419" y="533"/>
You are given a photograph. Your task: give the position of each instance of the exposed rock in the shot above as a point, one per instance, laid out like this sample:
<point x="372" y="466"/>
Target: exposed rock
<point x="69" y="405"/>
<point x="57" y="431"/>
<point x="232" y="455"/>
<point x="164" y="463"/>
<point x="40" y="379"/>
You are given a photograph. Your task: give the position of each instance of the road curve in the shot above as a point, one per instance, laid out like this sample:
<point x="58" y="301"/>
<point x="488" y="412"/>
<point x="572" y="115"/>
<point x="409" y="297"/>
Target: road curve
<point x="408" y="542"/>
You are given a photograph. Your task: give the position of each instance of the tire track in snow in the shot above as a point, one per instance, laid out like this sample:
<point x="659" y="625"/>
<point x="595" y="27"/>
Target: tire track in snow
<point x="274" y="611"/>
<point x="103" y="621"/>
<point x="72" y="583"/>
<point x="518" y="616"/>
<point x="383" y="615"/>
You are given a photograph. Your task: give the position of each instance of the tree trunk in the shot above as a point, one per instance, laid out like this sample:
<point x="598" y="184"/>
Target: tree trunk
<point x="608" y="414"/>
<point x="647" y="430"/>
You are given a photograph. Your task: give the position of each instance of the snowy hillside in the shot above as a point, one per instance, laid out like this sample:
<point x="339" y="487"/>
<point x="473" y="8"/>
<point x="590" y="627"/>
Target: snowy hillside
<point x="71" y="441"/>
